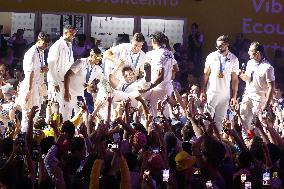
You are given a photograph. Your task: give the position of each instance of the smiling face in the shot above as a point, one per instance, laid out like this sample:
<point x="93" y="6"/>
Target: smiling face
<point x="42" y="45"/>
<point x="95" y="58"/>
<point x="129" y="76"/>
<point x="69" y="34"/>
<point x="136" y="46"/>
<point x="253" y="54"/>
<point x="222" y="47"/>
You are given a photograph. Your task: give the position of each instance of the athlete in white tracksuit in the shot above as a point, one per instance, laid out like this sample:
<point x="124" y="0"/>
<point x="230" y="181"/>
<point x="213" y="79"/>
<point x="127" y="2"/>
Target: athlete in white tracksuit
<point x="34" y="69"/>
<point x="128" y="53"/>
<point x="60" y="58"/>
<point x="259" y="78"/>
<point x="162" y="64"/>
<point x="221" y="68"/>
<point x="82" y="72"/>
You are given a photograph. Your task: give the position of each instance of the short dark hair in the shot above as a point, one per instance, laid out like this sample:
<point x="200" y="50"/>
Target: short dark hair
<point x="139" y="37"/>
<point x="177" y="46"/>
<point x="44" y="36"/>
<point x="126" y="68"/>
<point x="46" y="144"/>
<point x="68" y="127"/>
<point x="20" y="30"/>
<point x="258" y="47"/>
<point x="194" y="25"/>
<point x="160" y="38"/>
<point x="97" y="51"/>
<point x="223" y="38"/>
<point x="68" y="27"/>
<point x="76" y="144"/>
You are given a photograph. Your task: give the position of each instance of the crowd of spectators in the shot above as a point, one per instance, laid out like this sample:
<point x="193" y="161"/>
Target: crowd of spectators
<point x="133" y="149"/>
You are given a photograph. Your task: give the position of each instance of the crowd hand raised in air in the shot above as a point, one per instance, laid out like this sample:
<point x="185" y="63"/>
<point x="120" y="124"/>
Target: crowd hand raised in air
<point x="203" y="97"/>
<point x="233" y="102"/>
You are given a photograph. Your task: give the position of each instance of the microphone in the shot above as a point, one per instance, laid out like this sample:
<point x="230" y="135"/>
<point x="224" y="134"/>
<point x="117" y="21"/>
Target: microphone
<point x="243" y="67"/>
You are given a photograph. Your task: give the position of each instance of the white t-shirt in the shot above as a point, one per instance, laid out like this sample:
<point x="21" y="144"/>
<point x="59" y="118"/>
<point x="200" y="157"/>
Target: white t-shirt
<point x="123" y="52"/>
<point x="260" y="73"/>
<point x="60" y="58"/>
<point x="161" y="58"/>
<point x="129" y="87"/>
<point x="80" y="68"/>
<point x="33" y="61"/>
<point x="229" y="63"/>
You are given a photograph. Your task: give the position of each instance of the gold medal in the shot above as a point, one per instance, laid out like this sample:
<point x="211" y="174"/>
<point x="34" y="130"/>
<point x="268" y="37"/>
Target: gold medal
<point x="220" y="75"/>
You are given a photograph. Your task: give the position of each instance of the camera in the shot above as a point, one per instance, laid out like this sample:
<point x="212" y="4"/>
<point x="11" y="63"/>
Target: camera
<point x="243" y="67"/>
<point x="21" y="138"/>
<point x="37" y="132"/>
<point x="197" y="172"/>
<point x="156" y="150"/>
<point x="175" y="110"/>
<point x="247" y="185"/>
<point x="209" y="185"/>
<point x="166" y="175"/>
<point x="35" y="152"/>
<point x="81" y="101"/>
<point x="266" y="179"/>
<point x="243" y="178"/>
<point x="264" y="114"/>
<point x="113" y="146"/>
<point x="230" y="114"/>
<point x="147" y="172"/>
<point x="158" y="120"/>
<point x="20" y="157"/>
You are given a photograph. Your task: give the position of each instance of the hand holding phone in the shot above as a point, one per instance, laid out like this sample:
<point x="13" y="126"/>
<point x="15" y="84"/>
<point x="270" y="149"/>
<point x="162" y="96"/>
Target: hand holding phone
<point x="247" y="185"/>
<point x="209" y="185"/>
<point x="243" y="178"/>
<point x="266" y="179"/>
<point x="166" y="175"/>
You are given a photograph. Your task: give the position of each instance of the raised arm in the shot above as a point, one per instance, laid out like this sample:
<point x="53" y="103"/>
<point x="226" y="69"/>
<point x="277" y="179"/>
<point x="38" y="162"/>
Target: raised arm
<point x="114" y="82"/>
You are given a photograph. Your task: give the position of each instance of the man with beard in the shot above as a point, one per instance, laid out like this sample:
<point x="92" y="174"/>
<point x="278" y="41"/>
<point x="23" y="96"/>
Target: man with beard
<point x="34" y="68"/>
<point x="260" y="79"/>
<point x="60" y="58"/>
<point x="130" y="54"/>
<point x="81" y="73"/>
<point x="162" y="65"/>
<point x="220" y="71"/>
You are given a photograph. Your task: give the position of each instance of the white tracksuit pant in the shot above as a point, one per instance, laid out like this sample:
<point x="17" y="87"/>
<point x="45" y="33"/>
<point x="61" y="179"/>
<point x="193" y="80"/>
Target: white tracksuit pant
<point x="158" y="93"/>
<point x="35" y="99"/>
<point x="217" y="107"/>
<point x="65" y="108"/>
<point x="249" y="108"/>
